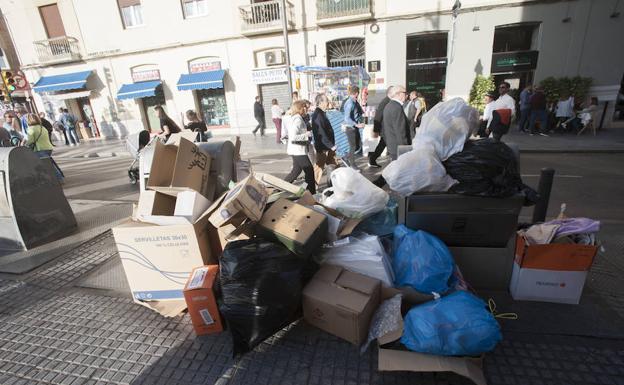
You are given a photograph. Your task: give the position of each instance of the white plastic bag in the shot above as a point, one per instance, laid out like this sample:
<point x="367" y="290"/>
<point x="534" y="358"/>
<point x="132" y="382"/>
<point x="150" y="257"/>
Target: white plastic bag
<point x="418" y="170"/>
<point x="353" y="195"/>
<point x="363" y="254"/>
<point x="448" y="124"/>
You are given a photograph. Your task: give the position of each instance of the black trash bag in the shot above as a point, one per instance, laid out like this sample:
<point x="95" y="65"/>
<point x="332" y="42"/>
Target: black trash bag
<point x="261" y="285"/>
<point x="488" y="168"/>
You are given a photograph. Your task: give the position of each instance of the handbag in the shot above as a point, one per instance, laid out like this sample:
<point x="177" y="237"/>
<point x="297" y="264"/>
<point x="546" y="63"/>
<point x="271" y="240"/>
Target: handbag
<point x="33" y="145"/>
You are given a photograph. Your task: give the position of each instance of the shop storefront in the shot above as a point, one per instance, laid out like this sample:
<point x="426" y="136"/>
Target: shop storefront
<point x="147" y="91"/>
<point x="514" y="57"/>
<point x="206" y="82"/>
<point x="272" y="84"/>
<point x="426" y="65"/>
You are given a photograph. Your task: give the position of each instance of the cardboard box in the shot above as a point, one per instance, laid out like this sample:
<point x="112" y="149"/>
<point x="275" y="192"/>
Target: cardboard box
<point x="341" y="302"/>
<point x="347" y="225"/>
<point x="248" y="198"/>
<point x="551" y="273"/>
<point x="188" y="204"/>
<point x="159" y="257"/>
<point x="154" y="203"/>
<point x="199" y="294"/>
<point x="179" y="167"/>
<point x="300" y="229"/>
<point x="405" y="360"/>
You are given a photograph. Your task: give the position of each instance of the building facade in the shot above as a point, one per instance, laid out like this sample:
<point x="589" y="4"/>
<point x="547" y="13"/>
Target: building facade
<point x="112" y="61"/>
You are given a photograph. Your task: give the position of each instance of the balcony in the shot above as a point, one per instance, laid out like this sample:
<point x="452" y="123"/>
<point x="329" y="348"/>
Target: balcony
<point x="265" y="17"/>
<point x="58" y="50"/>
<point x="342" y="11"/>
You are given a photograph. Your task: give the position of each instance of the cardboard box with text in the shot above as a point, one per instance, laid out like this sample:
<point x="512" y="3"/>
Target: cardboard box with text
<point x="200" y="297"/>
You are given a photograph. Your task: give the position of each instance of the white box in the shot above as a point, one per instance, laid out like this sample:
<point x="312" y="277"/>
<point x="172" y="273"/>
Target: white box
<point x="547" y="285"/>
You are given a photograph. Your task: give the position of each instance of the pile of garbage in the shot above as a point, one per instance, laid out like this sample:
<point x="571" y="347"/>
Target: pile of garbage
<point x="266" y="253"/>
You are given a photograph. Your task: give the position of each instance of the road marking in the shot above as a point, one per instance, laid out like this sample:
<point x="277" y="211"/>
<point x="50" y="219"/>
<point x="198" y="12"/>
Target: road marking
<point x="556" y="176"/>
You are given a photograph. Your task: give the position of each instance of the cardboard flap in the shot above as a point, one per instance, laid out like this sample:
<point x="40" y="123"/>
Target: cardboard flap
<point x="347" y="227"/>
<point x="164" y="220"/>
<point x="328" y="273"/>
<point x="163" y="164"/>
<point x="165" y="308"/>
<point x="417" y="362"/>
<point x="280" y="184"/>
<point x="174" y="139"/>
<point x="192" y="167"/>
<point x="357" y="282"/>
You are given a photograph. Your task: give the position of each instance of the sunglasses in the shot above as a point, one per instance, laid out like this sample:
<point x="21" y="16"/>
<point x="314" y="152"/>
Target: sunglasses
<point x="503" y="87"/>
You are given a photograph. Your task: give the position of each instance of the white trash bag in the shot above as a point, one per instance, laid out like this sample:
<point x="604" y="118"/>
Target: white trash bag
<point x="353" y="195"/>
<point x="419" y="170"/>
<point x="449" y="124"/>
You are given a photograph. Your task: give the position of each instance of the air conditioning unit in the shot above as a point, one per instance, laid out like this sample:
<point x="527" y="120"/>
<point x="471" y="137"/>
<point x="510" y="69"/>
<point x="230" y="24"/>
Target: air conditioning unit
<point x="274" y="57"/>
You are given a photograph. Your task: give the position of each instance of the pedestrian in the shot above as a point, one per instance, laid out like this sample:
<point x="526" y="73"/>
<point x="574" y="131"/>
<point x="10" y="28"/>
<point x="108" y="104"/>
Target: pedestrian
<point x="5" y="132"/>
<point x="525" y="107"/>
<point x="276" y="115"/>
<point x="377" y="125"/>
<point x="197" y="125"/>
<point x="395" y="127"/>
<point x="21" y="114"/>
<point x="295" y="96"/>
<point x="69" y="122"/>
<point x="47" y="125"/>
<point x="324" y="141"/>
<point x="352" y="114"/>
<point x="307" y="118"/>
<point x="167" y="125"/>
<point x="565" y="109"/>
<point x="39" y="141"/>
<point x="298" y="144"/>
<point x="412" y="109"/>
<point x="13" y="126"/>
<point x="538" y="112"/>
<point x="259" y="115"/>
<point x="486" y="118"/>
<point x="505" y="101"/>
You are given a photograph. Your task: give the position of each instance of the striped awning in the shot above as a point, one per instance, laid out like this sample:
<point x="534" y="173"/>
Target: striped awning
<point x="201" y="80"/>
<point x="71" y="81"/>
<point x="138" y="90"/>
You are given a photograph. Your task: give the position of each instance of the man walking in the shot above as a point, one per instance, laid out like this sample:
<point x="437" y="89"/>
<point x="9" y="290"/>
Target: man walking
<point x="21" y="114"/>
<point x="377" y="124"/>
<point x="538" y="112"/>
<point x="323" y="134"/>
<point x="352" y="113"/>
<point x="395" y="127"/>
<point x="525" y="107"/>
<point x="69" y="122"/>
<point x="259" y="115"/>
<point x="505" y="101"/>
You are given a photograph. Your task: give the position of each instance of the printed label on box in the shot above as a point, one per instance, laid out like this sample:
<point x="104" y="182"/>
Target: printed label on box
<point x="205" y="314"/>
<point x="198" y="278"/>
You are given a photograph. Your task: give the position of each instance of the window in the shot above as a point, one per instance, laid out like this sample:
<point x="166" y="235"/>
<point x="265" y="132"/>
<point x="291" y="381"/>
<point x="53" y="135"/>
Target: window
<point x="427" y="46"/>
<point x="131" y="12"/>
<point x="515" y="38"/>
<point x="194" y="8"/>
<point x="346" y="52"/>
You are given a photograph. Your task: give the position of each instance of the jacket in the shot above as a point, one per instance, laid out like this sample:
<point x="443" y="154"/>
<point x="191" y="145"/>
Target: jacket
<point x="322" y="131"/>
<point x="298" y="138"/>
<point x="258" y="110"/>
<point x="352" y="112"/>
<point x="38" y="136"/>
<point x="378" y="119"/>
<point x="395" y="127"/>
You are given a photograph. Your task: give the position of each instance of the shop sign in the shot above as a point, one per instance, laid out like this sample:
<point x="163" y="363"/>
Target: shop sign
<point x="145" y="75"/>
<point x="374" y="66"/>
<point x="272" y="75"/>
<point x="204" y="66"/>
<point x="514" y="61"/>
<point x="424" y="64"/>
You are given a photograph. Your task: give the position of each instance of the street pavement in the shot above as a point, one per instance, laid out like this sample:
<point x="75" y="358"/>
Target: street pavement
<point x="57" y="329"/>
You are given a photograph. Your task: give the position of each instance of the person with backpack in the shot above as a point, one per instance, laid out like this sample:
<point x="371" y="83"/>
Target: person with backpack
<point x="69" y="122"/>
<point x="352" y="113"/>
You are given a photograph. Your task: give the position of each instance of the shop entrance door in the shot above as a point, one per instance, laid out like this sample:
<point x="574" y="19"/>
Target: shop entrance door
<point x="86" y="112"/>
<point x="277" y="91"/>
<point x="213" y="108"/>
<point x="153" y="123"/>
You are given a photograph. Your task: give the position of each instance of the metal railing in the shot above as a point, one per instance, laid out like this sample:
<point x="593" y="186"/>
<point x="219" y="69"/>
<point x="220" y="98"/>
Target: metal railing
<point x="264" y="15"/>
<point x="328" y="9"/>
<point x="57" y="49"/>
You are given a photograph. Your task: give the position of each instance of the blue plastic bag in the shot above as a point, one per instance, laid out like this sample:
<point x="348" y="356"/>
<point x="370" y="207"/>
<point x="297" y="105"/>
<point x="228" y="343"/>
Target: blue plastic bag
<point x="381" y="223"/>
<point x="421" y="261"/>
<point x="455" y="325"/>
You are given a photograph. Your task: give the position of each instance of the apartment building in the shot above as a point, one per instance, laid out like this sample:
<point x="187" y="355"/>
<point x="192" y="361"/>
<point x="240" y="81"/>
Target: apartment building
<point x="112" y="61"/>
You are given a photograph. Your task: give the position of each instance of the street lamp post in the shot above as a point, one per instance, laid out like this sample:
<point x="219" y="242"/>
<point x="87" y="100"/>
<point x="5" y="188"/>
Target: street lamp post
<point x="286" y="46"/>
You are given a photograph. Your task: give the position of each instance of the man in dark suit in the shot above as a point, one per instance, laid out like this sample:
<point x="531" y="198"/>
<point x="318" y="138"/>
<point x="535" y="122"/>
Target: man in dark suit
<point x="377" y="123"/>
<point x="395" y="127"/>
<point x="259" y="115"/>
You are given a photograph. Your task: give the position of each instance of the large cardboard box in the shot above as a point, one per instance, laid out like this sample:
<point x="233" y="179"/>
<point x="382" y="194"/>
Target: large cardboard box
<point x="341" y="302"/>
<point x="342" y="229"/>
<point x="179" y="166"/>
<point x="300" y="229"/>
<point x="554" y="272"/>
<point x="188" y="204"/>
<point x="159" y="257"/>
<point x="200" y="297"/>
<point x="246" y="200"/>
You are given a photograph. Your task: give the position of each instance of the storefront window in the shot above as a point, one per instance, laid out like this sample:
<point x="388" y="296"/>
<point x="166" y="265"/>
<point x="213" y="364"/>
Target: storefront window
<point x="514" y="38"/>
<point x="213" y="107"/>
<point x="426" y="65"/>
<point x="148" y="107"/>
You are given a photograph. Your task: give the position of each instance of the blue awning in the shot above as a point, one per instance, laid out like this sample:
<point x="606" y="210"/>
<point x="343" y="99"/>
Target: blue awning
<point x="72" y="81"/>
<point x="201" y="80"/>
<point x="138" y="90"/>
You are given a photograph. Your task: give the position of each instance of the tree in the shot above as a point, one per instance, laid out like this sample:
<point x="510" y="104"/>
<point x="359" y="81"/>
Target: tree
<point x="480" y="87"/>
<point x="577" y="86"/>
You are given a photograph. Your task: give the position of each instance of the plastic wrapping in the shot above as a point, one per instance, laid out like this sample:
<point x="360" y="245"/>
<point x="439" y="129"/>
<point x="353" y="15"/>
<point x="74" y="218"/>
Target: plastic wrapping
<point x="487" y="168"/>
<point x="386" y="319"/>
<point x="418" y="170"/>
<point x="421" y="261"/>
<point x="381" y="223"/>
<point x="353" y="195"/>
<point x="363" y="254"/>
<point x="456" y="325"/>
<point x="261" y="284"/>
<point x="449" y="124"/>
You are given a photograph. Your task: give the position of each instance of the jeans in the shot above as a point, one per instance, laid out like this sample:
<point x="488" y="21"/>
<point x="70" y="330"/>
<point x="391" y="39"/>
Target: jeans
<point x="372" y="156"/>
<point x="302" y="163"/>
<point x="73" y="135"/>
<point x="261" y="126"/>
<point x="48" y="154"/>
<point x="278" y="128"/>
<point x="524" y="119"/>
<point x="352" y="138"/>
<point x="542" y="116"/>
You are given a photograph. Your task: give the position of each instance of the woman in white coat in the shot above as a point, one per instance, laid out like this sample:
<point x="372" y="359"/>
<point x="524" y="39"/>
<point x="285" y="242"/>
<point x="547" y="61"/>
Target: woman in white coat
<point x="298" y="144"/>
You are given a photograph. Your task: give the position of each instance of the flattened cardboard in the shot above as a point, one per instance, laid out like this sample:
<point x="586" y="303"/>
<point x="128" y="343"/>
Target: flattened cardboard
<point x="179" y="167"/>
<point x="280" y="184"/>
<point x="300" y="229"/>
<point x="341" y="302"/>
<point x="249" y="197"/>
<point x="199" y="294"/>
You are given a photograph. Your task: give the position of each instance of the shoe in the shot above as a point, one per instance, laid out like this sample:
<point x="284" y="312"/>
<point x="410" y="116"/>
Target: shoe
<point x="373" y="165"/>
<point x="254" y="134"/>
<point x="542" y="134"/>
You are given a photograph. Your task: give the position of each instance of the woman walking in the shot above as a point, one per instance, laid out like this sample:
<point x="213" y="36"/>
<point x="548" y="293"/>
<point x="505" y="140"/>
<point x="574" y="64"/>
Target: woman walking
<point x="324" y="141"/>
<point x="196" y="125"/>
<point x="39" y="141"/>
<point x="276" y="115"/>
<point x="298" y="143"/>
<point x="167" y="125"/>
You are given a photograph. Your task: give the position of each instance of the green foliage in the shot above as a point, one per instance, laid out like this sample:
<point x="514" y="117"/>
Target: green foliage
<point x="577" y="86"/>
<point x="480" y="87"/>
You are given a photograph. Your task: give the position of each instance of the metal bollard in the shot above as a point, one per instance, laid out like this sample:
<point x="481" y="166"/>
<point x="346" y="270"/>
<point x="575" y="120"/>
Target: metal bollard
<point x="545" y="186"/>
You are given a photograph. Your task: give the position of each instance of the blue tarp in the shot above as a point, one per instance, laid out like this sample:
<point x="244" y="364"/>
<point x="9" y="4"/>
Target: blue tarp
<point x="71" y="81"/>
<point x="201" y="80"/>
<point x="138" y="90"/>
<point x="336" y="118"/>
